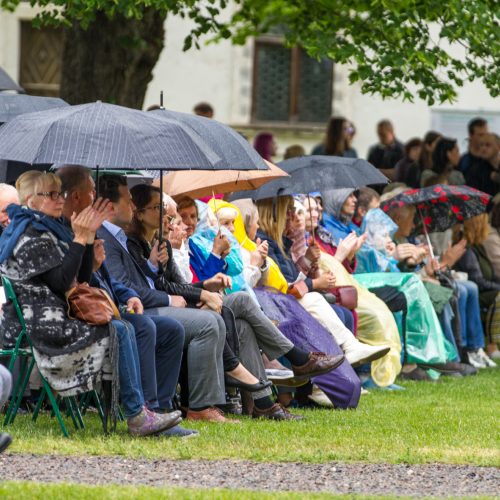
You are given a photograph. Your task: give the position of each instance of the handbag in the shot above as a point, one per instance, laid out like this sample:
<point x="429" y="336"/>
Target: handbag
<point x="90" y="304"/>
<point x="347" y="296"/>
<point x="298" y="290"/>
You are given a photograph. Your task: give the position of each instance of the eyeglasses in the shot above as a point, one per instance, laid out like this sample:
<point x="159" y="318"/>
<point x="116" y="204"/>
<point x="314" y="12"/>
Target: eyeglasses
<point x="170" y="218"/>
<point x="54" y="195"/>
<point x="156" y="208"/>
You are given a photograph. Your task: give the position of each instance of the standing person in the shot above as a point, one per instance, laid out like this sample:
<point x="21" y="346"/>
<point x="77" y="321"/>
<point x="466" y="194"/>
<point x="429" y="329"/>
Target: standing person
<point x="204" y="109"/>
<point x="8" y="196"/>
<point x="477" y="128"/>
<point x="265" y="145"/>
<point x="388" y="151"/>
<point x="408" y="165"/>
<point x="485" y="174"/>
<point x="445" y="160"/>
<point x="338" y="139"/>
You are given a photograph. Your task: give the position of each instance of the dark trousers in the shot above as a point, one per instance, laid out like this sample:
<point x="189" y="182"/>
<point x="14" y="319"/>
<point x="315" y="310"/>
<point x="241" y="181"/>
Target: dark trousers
<point x="160" y="342"/>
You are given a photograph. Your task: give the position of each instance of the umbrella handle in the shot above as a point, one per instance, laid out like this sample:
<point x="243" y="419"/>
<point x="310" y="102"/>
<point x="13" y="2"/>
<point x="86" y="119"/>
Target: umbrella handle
<point x="426" y="235"/>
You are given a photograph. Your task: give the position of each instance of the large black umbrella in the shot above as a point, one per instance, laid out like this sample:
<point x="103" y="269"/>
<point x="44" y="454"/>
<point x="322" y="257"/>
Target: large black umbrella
<point x="7" y="83"/>
<point x="106" y="136"/>
<point x="227" y="143"/>
<point x="12" y="105"/>
<point x="318" y="173"/>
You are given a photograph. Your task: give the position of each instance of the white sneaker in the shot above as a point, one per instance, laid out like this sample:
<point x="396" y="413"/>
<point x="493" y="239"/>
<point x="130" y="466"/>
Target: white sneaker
<point x="358" y="354"/>
<point x="486" y="359"/>
<point x="320" y="398"/>
<point x="476" y="360"/>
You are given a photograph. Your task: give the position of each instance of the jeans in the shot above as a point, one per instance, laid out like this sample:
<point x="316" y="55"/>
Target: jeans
<point x="131" y="395"/>
<point x="345" y="316"/>
<point x="159" y="344"/>
<point x="470" y="315"/>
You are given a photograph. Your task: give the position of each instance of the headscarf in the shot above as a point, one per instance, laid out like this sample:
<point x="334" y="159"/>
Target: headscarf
<point x="20" y="217"/>
<point x="333" y="201"/>
<point x="275" y="278"/>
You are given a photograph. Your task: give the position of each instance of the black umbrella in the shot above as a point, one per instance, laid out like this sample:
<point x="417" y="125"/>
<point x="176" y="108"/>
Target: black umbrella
<point x="317" y="173"/>
<point x="12" y="105"/>
<point x="230" y="146"/>
<point x="7" y="83"/>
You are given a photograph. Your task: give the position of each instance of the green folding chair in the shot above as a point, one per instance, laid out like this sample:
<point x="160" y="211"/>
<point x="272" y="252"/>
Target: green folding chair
<point x="73" y="408"/>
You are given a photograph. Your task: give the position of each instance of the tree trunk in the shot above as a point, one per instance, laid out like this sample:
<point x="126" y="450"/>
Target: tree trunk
<point x="112" y="60"/>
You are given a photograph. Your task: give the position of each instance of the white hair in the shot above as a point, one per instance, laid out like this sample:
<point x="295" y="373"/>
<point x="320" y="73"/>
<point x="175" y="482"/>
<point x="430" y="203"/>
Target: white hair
<point x="169" y="201"/>
<point x="7" y="189"/>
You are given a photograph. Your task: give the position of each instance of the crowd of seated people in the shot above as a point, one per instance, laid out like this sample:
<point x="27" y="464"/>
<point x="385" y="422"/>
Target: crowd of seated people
<point x="323" y="295"/>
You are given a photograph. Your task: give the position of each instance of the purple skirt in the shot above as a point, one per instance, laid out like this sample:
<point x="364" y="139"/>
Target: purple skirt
<point x="342" y="385"/>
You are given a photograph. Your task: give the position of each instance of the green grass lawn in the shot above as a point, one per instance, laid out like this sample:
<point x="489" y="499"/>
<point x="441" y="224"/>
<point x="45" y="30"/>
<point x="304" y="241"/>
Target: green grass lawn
<point x="452" y="421"/>
<point x="22" y="490"/>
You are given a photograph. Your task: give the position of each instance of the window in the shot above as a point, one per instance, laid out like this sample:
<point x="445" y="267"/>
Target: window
<point x="41" y="59"/>
<point x="289" y="86"/>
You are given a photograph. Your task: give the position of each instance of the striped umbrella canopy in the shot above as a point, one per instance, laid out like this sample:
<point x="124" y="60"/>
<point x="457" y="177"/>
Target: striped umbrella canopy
<point x="106" y="136"/>
<point x="234" y="149"/>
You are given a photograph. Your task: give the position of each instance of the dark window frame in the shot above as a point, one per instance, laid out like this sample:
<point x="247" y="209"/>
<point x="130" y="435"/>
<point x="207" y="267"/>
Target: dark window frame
<point x="294" y="85"/>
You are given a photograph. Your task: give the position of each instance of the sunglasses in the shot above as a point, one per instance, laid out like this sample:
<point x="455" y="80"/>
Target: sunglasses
<point x="54" y="195"/>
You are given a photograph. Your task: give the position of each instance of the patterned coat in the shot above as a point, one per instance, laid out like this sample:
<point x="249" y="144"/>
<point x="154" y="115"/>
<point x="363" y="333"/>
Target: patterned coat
<point x="71" y="354"/>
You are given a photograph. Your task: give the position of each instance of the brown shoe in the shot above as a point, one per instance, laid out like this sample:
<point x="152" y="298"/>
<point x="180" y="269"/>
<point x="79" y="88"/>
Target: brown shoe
<point x="275" y="412"/>
<point x="211" y="414"/>
<point x="318" y="363"/>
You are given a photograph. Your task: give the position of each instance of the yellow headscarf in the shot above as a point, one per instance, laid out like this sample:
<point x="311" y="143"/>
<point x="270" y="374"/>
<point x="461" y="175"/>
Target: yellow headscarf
<point x="275" y="278"/>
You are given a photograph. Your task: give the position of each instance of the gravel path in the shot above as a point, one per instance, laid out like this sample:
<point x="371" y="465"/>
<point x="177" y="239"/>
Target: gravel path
<point x="415" y="480"/>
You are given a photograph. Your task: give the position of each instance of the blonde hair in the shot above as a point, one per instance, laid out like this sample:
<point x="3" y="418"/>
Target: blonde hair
<point x="227" y="213"/>
<point x="273" y="215"/>
<point x="31" y="182"/>
<point x="476" y="230"/>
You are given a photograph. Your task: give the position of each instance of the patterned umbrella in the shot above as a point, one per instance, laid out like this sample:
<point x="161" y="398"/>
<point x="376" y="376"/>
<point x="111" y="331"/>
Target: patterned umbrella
<point x="441" y="206"/>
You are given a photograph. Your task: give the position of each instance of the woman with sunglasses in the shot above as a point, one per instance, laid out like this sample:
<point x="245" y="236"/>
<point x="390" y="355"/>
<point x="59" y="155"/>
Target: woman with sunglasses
<point x="44" y="258"/>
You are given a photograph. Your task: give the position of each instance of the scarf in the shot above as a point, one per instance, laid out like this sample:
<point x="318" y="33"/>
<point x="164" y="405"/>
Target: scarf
<point x="20" y="219"/>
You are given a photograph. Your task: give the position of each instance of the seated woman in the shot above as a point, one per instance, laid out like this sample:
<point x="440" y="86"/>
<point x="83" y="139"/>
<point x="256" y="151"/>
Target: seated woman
<point x="426" y="343"/>
<point x="43" y="259"/>
<point x="476" y="264"/>
<point x="341" y="386"/>
<point x="376" y="324"/>
<point x="254" y="329"/>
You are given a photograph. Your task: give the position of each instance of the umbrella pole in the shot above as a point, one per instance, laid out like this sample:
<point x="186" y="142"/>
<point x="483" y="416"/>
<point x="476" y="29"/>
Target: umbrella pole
<point x="97" y="182"/>
<point x="160" y="232"/>
<point x="161" y="100"/>
<point x="426" y="235"/>
<point x="310" y="216"/>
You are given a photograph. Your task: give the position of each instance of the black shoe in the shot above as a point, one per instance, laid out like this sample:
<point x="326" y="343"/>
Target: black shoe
<point x="233" y="382"/>
<point x="417" y="374"/>
<point x="275" y="412"/>
<point x="5" y="440"/>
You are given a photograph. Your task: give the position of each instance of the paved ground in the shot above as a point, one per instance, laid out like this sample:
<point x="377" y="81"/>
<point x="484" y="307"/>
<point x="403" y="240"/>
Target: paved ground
<point x="416" y="480"/>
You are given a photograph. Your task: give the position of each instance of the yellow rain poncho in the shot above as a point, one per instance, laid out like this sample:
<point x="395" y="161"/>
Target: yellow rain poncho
<point x="376" y="324"/>
<point x="275" y="278"/>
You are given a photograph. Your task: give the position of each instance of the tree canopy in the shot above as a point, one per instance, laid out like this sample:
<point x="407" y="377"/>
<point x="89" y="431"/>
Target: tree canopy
<point x="396" y="48"/>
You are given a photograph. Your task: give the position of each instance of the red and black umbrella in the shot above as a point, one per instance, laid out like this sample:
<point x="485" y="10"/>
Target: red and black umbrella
<point x="441" y="206"/>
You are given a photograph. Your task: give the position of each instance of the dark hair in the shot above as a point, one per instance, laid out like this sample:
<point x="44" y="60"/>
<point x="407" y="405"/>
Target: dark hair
<point x="141" y="196"/>
<point x="185" y="202"/>
<point x="335" y="143"/>
<point x="294" y="151"/>
<point x="72" y="177"/>
<point x="425" y="160"/>
<point x="153" y="107"/>
<point x="440" y="162"/>
<point x="475" y="123"/>
<point x="263" y="144"/>
<point x="203" y="108"/>
<point x="109" y="185"/>
<point x="495" y="216"/>
<point x="412" y="143"/>
<point x="365" y="197"/>
<point x="384" y="123"/>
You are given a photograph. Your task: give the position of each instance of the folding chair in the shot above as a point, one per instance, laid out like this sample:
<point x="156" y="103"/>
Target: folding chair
<point x="72" y="406"/>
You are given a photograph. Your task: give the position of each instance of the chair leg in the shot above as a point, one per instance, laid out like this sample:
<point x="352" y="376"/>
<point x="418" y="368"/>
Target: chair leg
<point x="25" y="377"/>
<point x="55" y="407"/>
<point x="97" y="402"/>
<point x="76" y="411"/>
<point x="41" y="399"/>
<point x="70" y="411"/>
